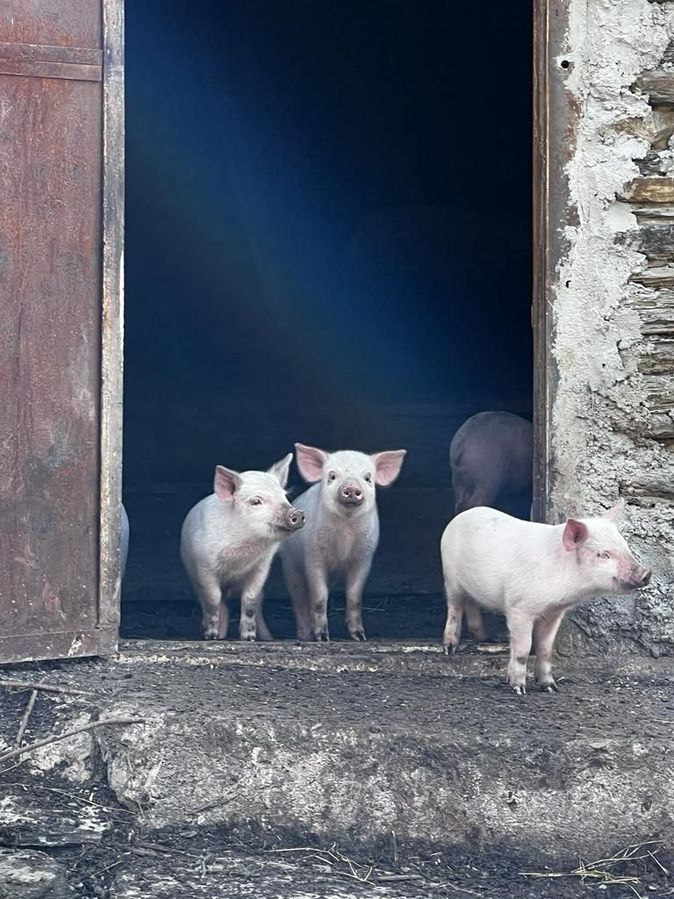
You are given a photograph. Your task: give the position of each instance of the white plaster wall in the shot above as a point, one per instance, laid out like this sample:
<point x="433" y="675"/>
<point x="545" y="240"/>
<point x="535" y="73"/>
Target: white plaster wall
<point x="600" y="414"/>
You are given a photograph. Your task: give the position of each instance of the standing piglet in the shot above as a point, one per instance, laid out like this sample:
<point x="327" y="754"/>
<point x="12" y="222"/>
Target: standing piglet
<point x="491" y="458"/>
<point x="229" y="539"/>
<point x="341" y="535"/>
<point x="533" y="573"/>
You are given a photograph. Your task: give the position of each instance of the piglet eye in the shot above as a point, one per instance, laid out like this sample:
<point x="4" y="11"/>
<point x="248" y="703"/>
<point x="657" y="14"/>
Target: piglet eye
<point x="368" y="478"/>
<point x="255" y="501"/>
<point x="332" y="476"/>
<point x="603" y="555"/>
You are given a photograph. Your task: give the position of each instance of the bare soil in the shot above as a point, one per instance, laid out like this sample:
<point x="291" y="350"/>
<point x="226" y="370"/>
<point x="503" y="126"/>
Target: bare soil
<point x="198" y="863"/>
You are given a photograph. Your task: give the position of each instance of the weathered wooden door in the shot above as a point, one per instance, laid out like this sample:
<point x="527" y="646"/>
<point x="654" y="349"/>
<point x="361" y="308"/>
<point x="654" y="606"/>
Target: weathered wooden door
<point x="61" y="190"/>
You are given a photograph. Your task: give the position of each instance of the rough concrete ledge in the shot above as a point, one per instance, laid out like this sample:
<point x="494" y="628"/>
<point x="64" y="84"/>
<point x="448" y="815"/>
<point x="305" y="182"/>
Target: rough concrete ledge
<point x="351" y="743"/>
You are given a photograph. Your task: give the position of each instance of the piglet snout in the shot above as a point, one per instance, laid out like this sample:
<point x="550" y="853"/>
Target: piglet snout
<point x="641" y="576"/>
<point x="294" y="519"/>
<point x="351" y="494"/>
<point x="636" y="577"/>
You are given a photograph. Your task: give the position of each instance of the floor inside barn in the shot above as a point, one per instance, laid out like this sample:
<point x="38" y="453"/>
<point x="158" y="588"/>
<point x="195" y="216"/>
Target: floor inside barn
<point x="382" y="769"/>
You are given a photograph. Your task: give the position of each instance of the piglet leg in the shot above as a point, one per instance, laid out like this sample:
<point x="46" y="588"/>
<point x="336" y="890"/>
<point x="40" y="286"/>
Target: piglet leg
<point x="318" y="604"/>
<point x="355" y="581"/>
<point x="521" y="630"/>
<point x="545" y="632"/>
<point x="213" y="608"/>
<point x="251" y="598"/>
<point x="263" y="632"/>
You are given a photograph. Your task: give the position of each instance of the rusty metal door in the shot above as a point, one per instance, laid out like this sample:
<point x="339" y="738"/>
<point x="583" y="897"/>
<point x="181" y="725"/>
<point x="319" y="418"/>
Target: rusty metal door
<point x="61" y="179"/>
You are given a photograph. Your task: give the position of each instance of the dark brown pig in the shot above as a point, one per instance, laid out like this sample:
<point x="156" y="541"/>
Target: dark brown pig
<point x="491" y="459"/>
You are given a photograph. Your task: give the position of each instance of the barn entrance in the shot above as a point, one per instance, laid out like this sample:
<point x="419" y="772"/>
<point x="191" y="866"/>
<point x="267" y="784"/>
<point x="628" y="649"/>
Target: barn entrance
<point x="328" y="240"/>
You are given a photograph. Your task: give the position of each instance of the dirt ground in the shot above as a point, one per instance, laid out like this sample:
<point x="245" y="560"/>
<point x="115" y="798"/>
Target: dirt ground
<point x="51" y="814"/>
<point x="224" y="865"/>
<point x="202" y="863"/>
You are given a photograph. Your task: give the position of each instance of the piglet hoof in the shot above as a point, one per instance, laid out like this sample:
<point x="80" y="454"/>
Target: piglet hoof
<point x="450" y="648"/>
<point x="358" y="634"/>
<point x="211" y="634"/>
<point x="549" y="686"/>
<point x="249" y="638"/>
<point x="322" y="636"/>
<point x="520" y="689"/>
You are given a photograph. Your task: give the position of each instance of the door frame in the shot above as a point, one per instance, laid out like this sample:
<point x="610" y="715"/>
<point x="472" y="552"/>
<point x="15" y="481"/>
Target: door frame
<point x="555" y="120"/>
<point x="112" y="319"/>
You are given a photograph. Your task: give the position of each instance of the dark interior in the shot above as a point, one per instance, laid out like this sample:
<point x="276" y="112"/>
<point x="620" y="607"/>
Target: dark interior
<point x="328" y="240"/>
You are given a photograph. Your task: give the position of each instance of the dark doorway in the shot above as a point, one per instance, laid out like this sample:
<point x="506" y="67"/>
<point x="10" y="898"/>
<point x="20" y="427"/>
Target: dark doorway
<point x="328" y="240"/>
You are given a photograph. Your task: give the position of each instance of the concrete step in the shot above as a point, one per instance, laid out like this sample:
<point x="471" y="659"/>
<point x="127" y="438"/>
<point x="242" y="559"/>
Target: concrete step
<point x="352" y="742"/>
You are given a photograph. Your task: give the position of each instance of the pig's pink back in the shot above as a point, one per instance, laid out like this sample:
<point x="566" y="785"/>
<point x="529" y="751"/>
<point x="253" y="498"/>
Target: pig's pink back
<point x="494" y="558"/>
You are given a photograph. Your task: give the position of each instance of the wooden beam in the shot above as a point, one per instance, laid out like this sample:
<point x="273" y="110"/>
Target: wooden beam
<point x="36" y="69"/>
<point x="112" y="314"/>
<point x="555" y="125"/>
<point x="83" y="56"/>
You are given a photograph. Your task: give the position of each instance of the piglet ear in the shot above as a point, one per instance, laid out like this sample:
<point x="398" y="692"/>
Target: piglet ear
<point x="574" y="534"/>
<point x="387" y="466"/>
<point x="615" y="513"/>
<point x="280" y="469"/>
<point x="226" y="483"/>
<point x="311" y="462"/>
